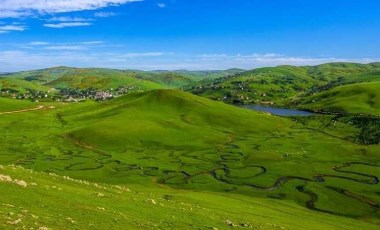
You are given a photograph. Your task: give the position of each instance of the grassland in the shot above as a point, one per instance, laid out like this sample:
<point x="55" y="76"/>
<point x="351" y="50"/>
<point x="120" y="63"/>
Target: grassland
<point x="12" y="105"/>
<point x="190" y="162"/>
<point x="285" y="85"/>
<point x="41" y="76"/>
<point x="30" y="200"/>
<point x="102" y="79"/>
<point x="247" y="167"/>
<point x="19" y="85"/>
<point x="359" y="98"/>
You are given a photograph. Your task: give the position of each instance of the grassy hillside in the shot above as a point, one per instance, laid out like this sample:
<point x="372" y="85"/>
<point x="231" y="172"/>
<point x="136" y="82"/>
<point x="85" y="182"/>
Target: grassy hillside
<point x="353" y="98"/>
<point x="281" y="85"/>
<point x="207" y="74"/>
<point x="101" y="79"/>
<point x="78" y="78"/>
<point x="168" y="139"/>
<point x="169" y="79"/>
<point x="98" y="78"/>
<point x="12" y="104"/>
<point x="41" y="76"/>
<point x="29" y="199"/>
<point x="172" y="118"/>
<point x="19" y="85"/>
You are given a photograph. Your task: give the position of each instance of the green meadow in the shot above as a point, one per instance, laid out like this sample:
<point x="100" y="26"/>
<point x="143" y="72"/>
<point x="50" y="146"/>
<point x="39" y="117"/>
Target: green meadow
<point x="244" y="168"/>
<point x="11" y="105"/>
<point x="359" y="98"/>
<point x="164" y="158"/>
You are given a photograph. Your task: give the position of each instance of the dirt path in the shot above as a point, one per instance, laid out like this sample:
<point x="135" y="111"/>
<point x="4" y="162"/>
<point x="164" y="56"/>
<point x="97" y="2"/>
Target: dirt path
<point x="24" y="110"/>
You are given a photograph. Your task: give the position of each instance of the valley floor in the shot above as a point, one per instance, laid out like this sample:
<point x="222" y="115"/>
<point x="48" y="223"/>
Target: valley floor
<point x="166" y="159"/>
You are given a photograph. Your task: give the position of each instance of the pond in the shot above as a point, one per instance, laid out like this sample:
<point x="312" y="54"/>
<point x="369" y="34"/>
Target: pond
<point x="278" y="111"/>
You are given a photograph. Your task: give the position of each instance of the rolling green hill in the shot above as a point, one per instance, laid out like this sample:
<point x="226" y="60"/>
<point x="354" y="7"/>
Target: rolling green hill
<point x="167" y="142"/>
<point x="19" y="85"/>
<point x="79" y="78"/>
<point x="101" y="79"/>
<point x="207" y="74"/>
<point x="172" y="118"/>
<point x="41" y="76"/>
<point x="169" y="79"/>
<point x="356" y="98"/>
<point x="283" y="84"/>
<point x="173" y="146"/>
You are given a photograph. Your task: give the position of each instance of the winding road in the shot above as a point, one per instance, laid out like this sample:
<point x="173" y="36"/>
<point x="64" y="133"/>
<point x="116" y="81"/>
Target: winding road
<point x="25" y="110"/>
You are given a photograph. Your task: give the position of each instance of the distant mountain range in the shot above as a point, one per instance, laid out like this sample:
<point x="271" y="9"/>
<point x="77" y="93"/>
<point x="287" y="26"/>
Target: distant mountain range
<point x="316" y="88"/>
<point x="308" y="87"/>
<point x="100" y="78"/>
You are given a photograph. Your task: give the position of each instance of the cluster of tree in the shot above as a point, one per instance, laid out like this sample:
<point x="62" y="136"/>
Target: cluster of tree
<point x="369" y="127"/>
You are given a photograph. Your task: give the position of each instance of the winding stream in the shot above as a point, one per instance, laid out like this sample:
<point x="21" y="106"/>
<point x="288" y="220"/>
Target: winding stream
<point x="222" y="172"/>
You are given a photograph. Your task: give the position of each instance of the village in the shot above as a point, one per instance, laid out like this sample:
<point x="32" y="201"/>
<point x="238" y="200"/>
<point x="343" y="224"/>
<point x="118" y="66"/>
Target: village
<point x="68" y="95"/>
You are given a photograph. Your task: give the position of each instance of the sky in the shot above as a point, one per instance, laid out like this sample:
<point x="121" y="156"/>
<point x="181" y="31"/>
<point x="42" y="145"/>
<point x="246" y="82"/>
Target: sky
<point x="186" y="34"/>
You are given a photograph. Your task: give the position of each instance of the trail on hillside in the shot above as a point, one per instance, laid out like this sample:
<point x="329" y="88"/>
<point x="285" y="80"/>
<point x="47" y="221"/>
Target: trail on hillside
<point x="23" y="110"/>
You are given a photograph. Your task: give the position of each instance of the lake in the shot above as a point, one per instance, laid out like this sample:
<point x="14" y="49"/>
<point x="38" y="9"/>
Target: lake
<point x="278" y="111"/>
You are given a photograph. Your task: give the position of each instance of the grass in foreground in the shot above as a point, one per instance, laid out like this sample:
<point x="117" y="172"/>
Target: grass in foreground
<point x="46" y="201"/>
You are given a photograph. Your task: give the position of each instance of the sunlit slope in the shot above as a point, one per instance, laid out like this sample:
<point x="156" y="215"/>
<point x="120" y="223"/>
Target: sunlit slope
<point x="20" y="85"/>
<point x="81" y="78"/>
<point x="207" y="74"/>
<point x="338" y="69"/>
<point x="8" y="105"/>
<point x="282" y="84"/>
<point x="167" y="119"/>
<point x="169" y="79"/>
<point x="101" y="79"/>
<point x="41" y="201"/>
<point x="168" y="138"/>
<point x="357" y="98"/>
<point x="43" y="75"/>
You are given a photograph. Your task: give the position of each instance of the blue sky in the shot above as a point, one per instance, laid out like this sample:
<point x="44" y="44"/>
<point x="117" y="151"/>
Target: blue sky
<point x="186" y="34"/>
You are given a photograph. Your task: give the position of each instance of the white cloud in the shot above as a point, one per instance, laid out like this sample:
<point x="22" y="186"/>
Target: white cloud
<point x="104" y="14"/>
<point x="13" y="14"/>
<point x="161" y="5"/>
<point x="13" y="27"/>
<point x="69" y="19"/>
<point x="92" y="43"/>
<point x="38" y="43"/>
<point x="65" y="21"/>
<point x="213" y="55"/>
<point x="67" y="24"/>
<point x="65" y="47"/>
<point x="46" y="45"/>
<point x="19" y="8"/>
<point x="149" y="54"/>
